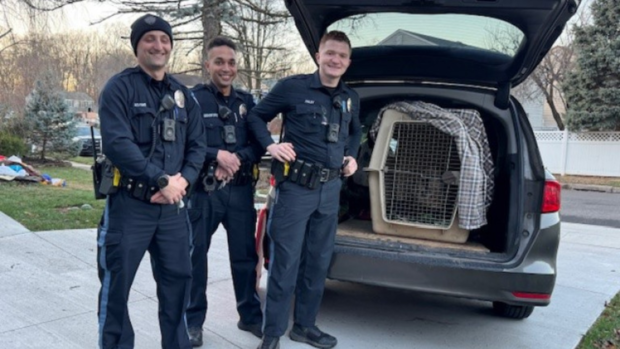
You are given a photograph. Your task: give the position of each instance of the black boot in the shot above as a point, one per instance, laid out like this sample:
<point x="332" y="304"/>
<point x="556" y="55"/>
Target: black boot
<point x="313" y="336"/>
<point x="195" y="336"/>
<point x="269" y="343"/>
<point x="255" y="329"/>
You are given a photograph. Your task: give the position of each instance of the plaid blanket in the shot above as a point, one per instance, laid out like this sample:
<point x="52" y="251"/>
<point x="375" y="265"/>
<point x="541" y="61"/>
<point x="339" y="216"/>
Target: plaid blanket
<point x="476" y="175"/>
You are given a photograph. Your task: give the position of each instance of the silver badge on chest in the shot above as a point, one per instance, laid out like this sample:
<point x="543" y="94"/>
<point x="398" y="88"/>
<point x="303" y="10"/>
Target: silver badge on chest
<point x="179" y="98"/>
<point x="243" y="110"/>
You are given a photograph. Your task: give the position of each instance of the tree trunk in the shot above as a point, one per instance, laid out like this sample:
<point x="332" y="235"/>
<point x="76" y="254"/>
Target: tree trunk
<point x="211" y="25"/>
<point x="43" y="147"/>
<point x="556" y="115"/>
<point x="554" y="111"/>
<point x="550" y="100"/>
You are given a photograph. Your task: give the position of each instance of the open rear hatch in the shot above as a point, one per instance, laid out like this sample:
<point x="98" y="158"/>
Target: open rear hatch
<point x="485" y="43"/>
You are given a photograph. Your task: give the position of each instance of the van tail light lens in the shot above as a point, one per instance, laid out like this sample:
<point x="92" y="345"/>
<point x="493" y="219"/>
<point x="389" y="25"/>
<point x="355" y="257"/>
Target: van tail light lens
<point x="527" y="295"/>
<point x="551" y="197"/>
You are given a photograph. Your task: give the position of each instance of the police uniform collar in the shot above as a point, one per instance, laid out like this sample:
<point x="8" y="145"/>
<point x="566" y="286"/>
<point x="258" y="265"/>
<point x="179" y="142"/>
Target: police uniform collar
<point x="211" y="87"/>
<point x="315" y="82"/>
<point x="149" y="79"/>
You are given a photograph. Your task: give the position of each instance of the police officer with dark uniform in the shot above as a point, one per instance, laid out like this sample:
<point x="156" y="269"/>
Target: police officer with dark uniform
<point x="321" y="138"/>
<point x="152" y="134"/>
<point x="225" y="192"/>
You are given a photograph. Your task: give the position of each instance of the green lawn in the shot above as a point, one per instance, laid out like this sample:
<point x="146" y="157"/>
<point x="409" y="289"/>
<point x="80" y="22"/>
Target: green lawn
<point x="87" y="160"/>
<point x="611" y="181"/>
<point x="605" y="333"/>
<point x="41" y="207"/>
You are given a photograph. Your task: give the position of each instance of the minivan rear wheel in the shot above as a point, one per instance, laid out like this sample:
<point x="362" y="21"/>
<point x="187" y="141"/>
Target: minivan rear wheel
<point x="512" y="311"/>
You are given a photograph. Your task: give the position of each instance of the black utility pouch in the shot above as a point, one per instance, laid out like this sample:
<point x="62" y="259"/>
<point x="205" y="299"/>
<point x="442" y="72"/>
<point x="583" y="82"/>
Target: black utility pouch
<point x="306" y="173"/>
<point x="277" y="170"/>
<point x="296" y="170"/>
<point x="332" y="133"/>
<point x="139" y="191"/>
<point x="230" y="136"/>
<point x="107" y="179"/>
<point x="245" y="175"/>
<point x="315" y="178"/>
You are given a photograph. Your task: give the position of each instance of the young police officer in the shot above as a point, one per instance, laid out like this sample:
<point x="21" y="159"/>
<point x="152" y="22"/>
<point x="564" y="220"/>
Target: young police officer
<point x="158" y="145"/>
<point x="225" y="192"/>
<point x="321" y="139"/>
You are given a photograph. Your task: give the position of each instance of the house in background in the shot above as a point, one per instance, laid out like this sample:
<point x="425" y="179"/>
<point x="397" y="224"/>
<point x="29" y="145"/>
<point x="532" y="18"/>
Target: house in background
<point x="405" y="37"/>
<point x="82" y="106"/>
<point x="535" y="106"/>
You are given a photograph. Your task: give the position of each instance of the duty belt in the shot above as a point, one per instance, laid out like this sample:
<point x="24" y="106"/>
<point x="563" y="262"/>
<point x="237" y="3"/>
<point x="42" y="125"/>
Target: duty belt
<point x="303" y="173"/>
<point x="327" y="174"/>
<point x="138" y="189"/>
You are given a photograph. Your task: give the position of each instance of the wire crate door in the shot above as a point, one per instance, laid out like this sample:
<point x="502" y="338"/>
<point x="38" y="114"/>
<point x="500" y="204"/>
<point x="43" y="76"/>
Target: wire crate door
<point x="414" y="176"/>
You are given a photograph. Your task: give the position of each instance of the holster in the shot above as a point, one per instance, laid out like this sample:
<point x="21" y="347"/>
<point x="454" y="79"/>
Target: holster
<point x="245" y="174"/>
<point x="277" y="170"/>
<point x="104" y="178"/>
<point x="97" y="170"/>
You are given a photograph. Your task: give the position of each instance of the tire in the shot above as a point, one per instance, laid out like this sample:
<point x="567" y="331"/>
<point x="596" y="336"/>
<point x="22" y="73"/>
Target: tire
<point x="517" y="312"/>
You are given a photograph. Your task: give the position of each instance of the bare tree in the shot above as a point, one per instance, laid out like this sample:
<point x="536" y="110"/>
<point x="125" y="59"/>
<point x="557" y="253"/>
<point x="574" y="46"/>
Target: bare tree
<point x="259" y="27"/>
<point x="552" y="71"/>
<point x="197" y="22"/>
<point x="548" y="77"/>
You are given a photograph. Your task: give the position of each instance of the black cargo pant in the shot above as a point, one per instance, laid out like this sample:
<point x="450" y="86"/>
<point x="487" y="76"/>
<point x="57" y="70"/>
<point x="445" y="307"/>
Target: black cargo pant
<point x="232" y="206"/>
<point x="302" y="227"/>
<point x="130" y="227"/>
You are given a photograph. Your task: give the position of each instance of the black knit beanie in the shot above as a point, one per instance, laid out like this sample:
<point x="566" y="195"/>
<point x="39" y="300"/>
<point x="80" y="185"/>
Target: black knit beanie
<point x="145" y="24"/>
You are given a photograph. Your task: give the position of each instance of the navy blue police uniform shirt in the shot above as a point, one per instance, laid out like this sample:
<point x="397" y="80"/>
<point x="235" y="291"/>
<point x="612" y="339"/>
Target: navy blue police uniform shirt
<point x="128" y="106"/>
<point x="308" y="109"/>
<point x="240" y="104"/>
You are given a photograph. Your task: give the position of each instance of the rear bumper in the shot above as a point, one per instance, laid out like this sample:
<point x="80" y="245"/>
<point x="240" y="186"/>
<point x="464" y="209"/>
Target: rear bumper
<point x="533" y="274"/>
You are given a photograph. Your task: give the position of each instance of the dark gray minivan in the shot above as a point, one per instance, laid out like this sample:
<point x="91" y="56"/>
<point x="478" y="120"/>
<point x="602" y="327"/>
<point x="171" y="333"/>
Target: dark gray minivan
<point x="458" y="55"/>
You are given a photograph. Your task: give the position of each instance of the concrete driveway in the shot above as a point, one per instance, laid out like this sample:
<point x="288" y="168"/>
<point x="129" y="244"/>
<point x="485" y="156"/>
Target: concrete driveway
<point x="49" y="285"/>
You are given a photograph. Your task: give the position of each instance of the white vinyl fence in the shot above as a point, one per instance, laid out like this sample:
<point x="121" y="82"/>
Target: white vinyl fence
<point x="584" y="154"/>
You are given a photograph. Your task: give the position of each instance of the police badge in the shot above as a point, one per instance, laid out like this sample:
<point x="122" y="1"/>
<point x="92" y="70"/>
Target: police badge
<point x="179" y="98"/>
<point x="242" y="110"/>
<point x="349" y="105"/>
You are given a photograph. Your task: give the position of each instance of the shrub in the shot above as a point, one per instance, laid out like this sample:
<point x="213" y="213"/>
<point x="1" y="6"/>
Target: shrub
<point x="11" y="145"/>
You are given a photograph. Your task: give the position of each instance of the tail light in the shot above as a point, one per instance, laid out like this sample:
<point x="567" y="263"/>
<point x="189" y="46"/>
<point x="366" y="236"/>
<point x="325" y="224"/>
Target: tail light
<point x="551" y="197"/>
<point x="527" y="295"/>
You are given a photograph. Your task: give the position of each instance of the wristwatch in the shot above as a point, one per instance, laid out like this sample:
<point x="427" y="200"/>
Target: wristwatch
<point x="162" y="181"/>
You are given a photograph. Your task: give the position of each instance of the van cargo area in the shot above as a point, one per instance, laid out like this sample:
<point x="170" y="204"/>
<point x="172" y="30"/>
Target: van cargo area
<point x="495" y="241"/>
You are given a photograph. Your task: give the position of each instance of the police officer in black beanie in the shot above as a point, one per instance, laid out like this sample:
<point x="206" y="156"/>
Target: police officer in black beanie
<point x="152" y="133"/>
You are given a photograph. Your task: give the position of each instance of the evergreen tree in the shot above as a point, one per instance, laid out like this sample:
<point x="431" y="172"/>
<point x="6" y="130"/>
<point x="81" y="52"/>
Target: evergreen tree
<point x="592" y="89"/>
<point x="51" y="126"/>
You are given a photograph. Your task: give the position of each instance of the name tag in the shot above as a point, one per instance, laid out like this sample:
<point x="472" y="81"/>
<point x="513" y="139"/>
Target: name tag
<point x="138" y="105"/>
<point x="209" y="115"/>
